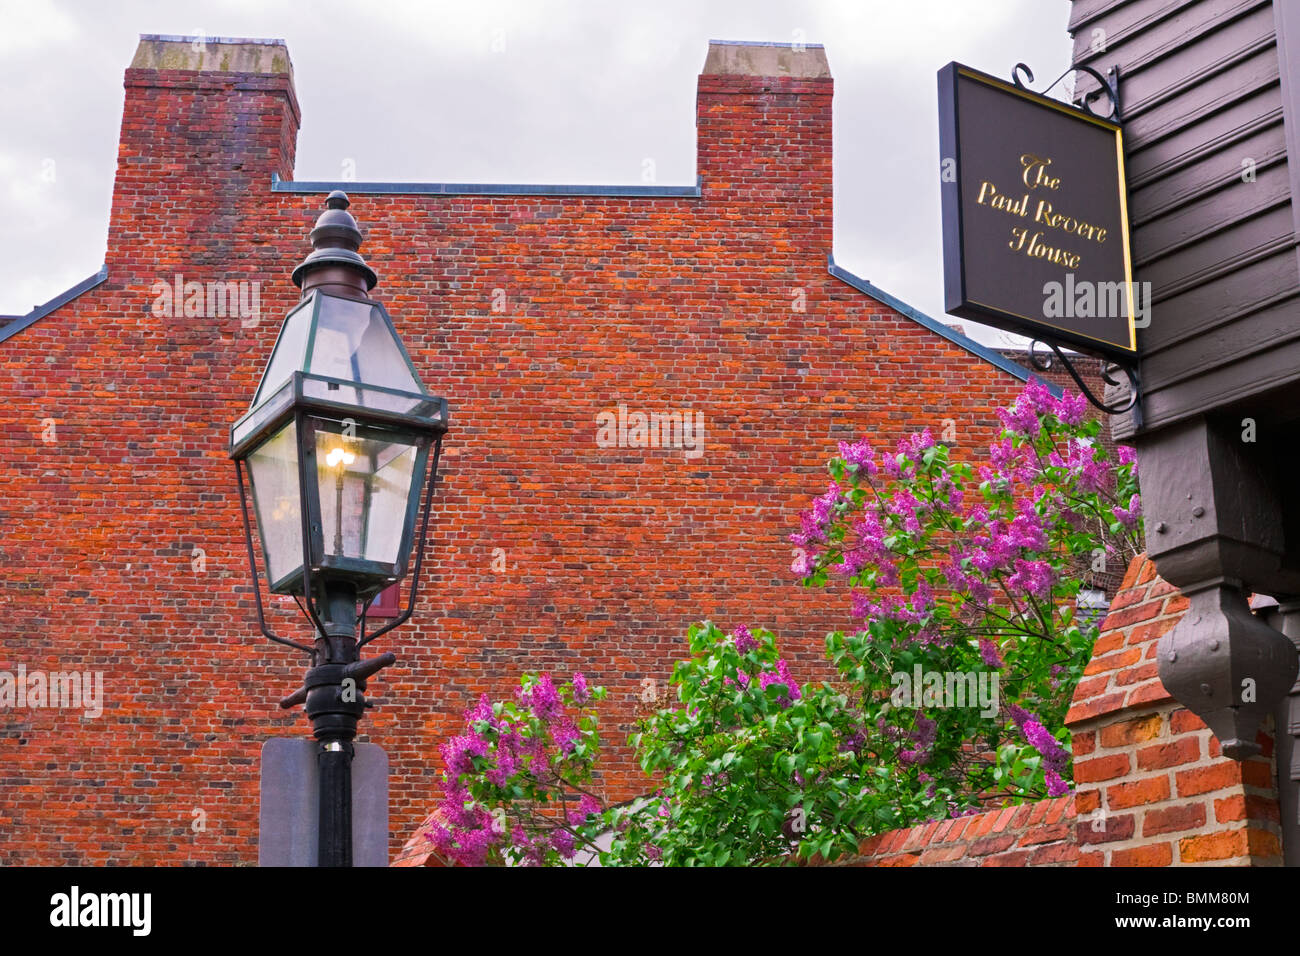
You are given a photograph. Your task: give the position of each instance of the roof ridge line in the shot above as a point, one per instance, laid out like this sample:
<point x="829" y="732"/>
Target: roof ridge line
<point x="63" y="298"/>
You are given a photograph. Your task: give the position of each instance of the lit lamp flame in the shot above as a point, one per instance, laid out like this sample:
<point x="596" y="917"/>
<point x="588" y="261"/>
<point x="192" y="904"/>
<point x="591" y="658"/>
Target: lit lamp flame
<point x="339" y="455"/>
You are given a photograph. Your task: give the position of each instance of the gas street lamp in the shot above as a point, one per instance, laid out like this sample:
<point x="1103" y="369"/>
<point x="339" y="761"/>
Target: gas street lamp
<point x="336" y="445"/>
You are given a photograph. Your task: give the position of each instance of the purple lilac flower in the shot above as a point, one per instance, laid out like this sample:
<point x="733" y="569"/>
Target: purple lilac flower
<point x="566" y="734"/>
<point x="458" y="753"/>
<point x="1054" y="755"/>
<point x="860" y="454"/>
<point x="1128" y="517"/>
<point x="851" y="562"/>
<point x="507" y="765"/>
<point x="542" y="698"/>
<point x="1056" y="787"/>
<point x="953" y="573"/>
<point x="925" y="730"/>
<point x="581" y="692"/>
<point x="904" y="505"/>
<point x="815" y="522"/>
<point x="474" y="846"/>
<point x="1036" y="577"/>
<point x="562" y="840"/>
<point x="989" y="653"/>
<point x="853" y="742"/>
<point x="1020" y="418"/>
<point x="483" y="711"/>
<point x="440" y="837"/>
<point x="1072" y="408"/>
<point x="781" y="676"/>
<point x="744" y="640"/>
<point x="1039" y="397"/>
<point x="533" y="850"/>
<point x="588" y="806"/>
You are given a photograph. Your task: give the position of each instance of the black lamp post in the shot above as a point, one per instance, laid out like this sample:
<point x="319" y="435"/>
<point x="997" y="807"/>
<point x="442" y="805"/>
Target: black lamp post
<point x="336" y="444"/>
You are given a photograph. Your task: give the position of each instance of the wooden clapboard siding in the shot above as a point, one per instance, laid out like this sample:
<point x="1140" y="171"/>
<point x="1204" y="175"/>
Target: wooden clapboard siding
<point x="1204" y="89"/>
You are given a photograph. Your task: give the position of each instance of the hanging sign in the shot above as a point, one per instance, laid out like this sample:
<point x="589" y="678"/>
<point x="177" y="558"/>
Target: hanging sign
<point x="1035" y="216"/>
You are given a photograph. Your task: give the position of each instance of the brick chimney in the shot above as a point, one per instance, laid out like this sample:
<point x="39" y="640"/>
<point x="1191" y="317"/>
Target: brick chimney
<point x="206" y="122"/>
<point x="763" y="128"/>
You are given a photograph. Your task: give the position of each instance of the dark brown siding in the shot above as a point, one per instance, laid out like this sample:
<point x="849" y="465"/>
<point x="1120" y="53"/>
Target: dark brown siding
<point x="1202" y="94"/>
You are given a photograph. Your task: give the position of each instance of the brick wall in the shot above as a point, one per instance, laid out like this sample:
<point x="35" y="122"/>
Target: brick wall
<point x="1036" y="834"/>
<point x="532" y="314"/>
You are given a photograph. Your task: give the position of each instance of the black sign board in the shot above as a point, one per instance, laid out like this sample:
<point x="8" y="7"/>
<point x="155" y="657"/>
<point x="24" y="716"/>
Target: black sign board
<point x="1035" y="217"/>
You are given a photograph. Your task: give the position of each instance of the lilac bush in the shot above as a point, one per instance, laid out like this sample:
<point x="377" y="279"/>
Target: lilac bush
<point x="959" y="570"/>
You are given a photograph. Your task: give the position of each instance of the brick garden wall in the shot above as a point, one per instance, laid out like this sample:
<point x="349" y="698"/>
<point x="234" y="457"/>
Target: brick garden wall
<point x="1037" y="834"/>
<point x="123" y="550"/>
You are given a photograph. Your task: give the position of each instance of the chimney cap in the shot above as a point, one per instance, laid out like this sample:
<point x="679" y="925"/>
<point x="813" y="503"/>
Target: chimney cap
<point x="160" y="51"/>
<point x="747" y="58"/>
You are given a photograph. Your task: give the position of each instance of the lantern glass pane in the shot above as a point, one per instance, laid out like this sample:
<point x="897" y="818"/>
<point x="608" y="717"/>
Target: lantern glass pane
<point x="368" y="482"/>
<point x="290" y="348"/>
<point x="353" y="342"/>
<point x="273" y="470"/>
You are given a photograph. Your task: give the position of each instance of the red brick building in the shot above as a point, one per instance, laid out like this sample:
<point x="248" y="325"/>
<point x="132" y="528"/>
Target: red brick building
<point x="532" y="309"/>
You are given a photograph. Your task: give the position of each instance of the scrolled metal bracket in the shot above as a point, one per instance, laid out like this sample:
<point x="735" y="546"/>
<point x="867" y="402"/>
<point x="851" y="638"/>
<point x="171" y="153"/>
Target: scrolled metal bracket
<point x="1108" y="368"/>
<point x="1109" y="86"/>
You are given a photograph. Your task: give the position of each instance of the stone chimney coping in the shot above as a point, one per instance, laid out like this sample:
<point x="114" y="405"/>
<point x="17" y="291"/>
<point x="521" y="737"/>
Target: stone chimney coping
<point x="212" y="54"/>
<point x="740" y="58"/>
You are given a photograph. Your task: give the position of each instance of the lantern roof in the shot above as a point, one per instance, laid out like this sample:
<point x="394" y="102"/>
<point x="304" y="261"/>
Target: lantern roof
<point x="338" y="353"/>
<point x="347" y="340"/>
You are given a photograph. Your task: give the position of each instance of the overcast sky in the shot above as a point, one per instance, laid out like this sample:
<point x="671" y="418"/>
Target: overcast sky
<point x="520" y="91"/>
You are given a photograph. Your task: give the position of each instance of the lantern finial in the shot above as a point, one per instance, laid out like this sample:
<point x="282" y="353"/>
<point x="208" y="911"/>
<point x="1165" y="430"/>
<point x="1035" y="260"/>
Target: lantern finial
<point x="335" y="242"/>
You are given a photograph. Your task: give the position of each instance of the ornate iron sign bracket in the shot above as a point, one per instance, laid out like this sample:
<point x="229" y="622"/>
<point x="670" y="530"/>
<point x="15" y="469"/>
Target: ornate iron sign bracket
<point x="1131" y="403"/>
<point x="1109" y="85"/>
